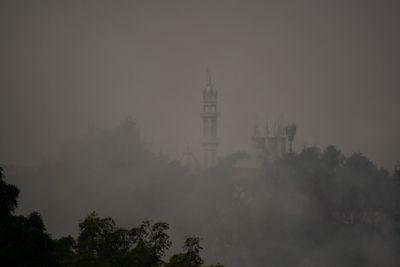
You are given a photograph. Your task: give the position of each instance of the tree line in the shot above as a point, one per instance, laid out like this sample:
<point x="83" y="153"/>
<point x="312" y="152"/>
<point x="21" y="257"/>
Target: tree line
<point x="314" y="207"/>
<point x="24" y="241"/>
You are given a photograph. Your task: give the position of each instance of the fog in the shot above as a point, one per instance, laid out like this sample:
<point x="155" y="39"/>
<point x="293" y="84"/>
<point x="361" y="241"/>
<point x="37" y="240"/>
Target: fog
<point x="312" y="208"/>
<point x="331" y="67"/>
<point x="72" y="72"/>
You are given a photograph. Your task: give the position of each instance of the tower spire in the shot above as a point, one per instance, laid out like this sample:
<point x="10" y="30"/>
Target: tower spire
<point x="209" y="116"/>
<point x="256" y="132"/>
<point x="209" y="76"/>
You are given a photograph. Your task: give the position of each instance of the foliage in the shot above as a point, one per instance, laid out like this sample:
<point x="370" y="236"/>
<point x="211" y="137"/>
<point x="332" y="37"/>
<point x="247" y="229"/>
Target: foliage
<point x="101" y="243"/>
<point x="315" y="202"/>
<point x="348" y="190"/>
<point x="23" y="240"/>
<point x="190" y="257"/>
<point x="8" y="198"/>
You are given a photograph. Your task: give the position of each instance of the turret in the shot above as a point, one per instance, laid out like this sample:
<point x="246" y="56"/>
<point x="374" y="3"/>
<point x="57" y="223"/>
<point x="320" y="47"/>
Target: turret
<point x="258" y="142"/>
<point x="290" y="133"/>
<point x="209" y="116"/>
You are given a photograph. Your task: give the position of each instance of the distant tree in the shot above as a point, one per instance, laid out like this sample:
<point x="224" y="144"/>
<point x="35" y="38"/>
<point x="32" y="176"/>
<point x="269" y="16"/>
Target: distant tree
<point x="190" y="257"/>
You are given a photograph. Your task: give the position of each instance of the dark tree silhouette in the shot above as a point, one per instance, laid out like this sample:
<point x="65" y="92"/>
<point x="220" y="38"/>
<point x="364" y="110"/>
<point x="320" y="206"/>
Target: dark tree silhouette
<point x="101" y="243"/>
<point x="23" y="240"/>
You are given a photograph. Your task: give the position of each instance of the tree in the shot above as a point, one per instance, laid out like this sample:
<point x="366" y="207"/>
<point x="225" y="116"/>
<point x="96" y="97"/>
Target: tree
<point x="65" y="249"/>
<point x="101" y="243"/>
<point x="190" y="257"/>
<point x="23" y="240"/>
<point x="8" y="198"/>
<point x="150" y="244"/>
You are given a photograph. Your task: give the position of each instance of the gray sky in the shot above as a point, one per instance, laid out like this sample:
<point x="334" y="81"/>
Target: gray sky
<point x="330" y="66"/>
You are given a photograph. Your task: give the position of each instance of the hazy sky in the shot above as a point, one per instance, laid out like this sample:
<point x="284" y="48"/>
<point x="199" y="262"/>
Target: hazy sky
<point x="330" y="66"/>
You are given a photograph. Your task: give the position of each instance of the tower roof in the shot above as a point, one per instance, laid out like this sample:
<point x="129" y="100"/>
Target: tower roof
<point x="210" y="91"/>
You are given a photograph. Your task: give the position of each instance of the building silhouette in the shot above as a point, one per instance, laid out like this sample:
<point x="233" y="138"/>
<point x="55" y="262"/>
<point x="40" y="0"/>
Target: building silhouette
<point x="209" y="116"/>
<point x="266" y="145"/>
